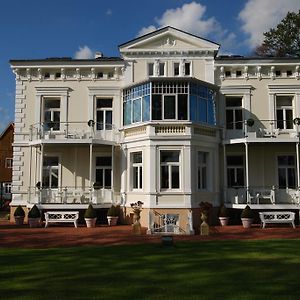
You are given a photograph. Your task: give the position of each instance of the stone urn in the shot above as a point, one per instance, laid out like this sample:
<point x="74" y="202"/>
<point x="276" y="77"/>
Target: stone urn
<point x="204" y="227"/>
<point x="136" y="226"/>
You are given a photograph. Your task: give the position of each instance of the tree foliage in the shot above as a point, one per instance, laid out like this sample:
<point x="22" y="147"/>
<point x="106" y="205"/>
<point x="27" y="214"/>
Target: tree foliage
<point x="284" y="40"/>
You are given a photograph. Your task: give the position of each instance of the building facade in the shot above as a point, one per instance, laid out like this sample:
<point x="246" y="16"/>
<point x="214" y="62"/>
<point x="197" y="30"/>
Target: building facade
<point x="6" y="161"/>
<point x="168" y="123"/>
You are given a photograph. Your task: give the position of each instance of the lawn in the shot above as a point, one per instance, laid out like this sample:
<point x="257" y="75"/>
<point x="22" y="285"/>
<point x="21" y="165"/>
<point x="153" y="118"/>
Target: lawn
<point x="189" y="270"/>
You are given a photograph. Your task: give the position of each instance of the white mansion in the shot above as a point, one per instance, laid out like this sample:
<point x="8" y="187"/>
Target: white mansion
<point x="168" y="123"/>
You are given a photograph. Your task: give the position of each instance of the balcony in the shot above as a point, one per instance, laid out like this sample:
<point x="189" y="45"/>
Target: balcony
<point x="71" y="196"/>
<point x="263" y="196"/>
<point x="57" y="132"/>
<point x="263" y="129"/>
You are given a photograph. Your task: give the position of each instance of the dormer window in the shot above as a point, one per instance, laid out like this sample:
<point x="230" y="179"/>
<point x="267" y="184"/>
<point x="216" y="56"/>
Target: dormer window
<point x="227" y="73"/>
<point x="238" y="73"/>
<point x="187" y="68"/>
<point x="150" y="69"/>
<point x="161" y="69"/>
<point x="176" y="69"/>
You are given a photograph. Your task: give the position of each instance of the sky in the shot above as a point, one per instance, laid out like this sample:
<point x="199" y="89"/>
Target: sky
<point x="36" y="29"/>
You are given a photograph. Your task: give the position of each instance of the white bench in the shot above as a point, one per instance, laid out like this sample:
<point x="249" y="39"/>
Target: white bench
<point x="276" y="217"/>
<point x="61" y="217"/>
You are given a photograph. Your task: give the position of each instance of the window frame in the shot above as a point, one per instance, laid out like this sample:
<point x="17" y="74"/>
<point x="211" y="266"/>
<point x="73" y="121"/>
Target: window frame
<point x="103" y="168"/>
<point x="200" y="166"/>
<point x="139" y="167"/>
<point x="49" y="169"/>
<point x="286" y="168"/>
<point x="104" y="110"/>
<point x="234" y="110"/>
<point x="8" y="162"/>
<point x="284" y="109"/>
<point x="52" y="113"/>
<point x="235" y="170"/>
<point x="170" y="166"/>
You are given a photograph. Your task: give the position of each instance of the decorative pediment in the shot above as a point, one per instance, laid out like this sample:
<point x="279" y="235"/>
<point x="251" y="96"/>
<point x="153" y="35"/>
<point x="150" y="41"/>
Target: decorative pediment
<point x="168" y="39"/>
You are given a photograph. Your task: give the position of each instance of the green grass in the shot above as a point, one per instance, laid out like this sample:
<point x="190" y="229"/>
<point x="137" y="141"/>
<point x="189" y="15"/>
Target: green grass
<point x="190" y="270"/>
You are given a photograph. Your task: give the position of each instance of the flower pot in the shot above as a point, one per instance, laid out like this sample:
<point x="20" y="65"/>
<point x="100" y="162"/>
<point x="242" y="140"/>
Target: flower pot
<point x="247" y="222"/>
<point x="34" y="222"/>
<point x="112" y="221"/>
<point x="224" y="221"/>
<point x="19" y="220"/>
<point x="90" y="222"/>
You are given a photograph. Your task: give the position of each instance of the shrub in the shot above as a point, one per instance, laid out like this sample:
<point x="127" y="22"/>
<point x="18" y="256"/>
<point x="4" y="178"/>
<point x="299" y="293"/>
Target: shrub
<point x="247" y="213"/>
<point x="19" y="212"/>
<point x="90" y="213"/>
<point x="223" y="212"/>
<point x="113" y="211"/>
<point x="34" y="212"/>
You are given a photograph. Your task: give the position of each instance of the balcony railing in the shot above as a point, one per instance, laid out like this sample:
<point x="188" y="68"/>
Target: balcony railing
<point x="263" y="128"/>
<point x="263" y="195"/>
<point x="74" y="130"/>
<point x="70" y="195"/>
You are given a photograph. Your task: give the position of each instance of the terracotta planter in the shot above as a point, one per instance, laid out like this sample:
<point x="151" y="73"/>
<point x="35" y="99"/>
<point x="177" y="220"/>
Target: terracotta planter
<point x="90" y="223"/>
<point x="112" y="221"/>
<point x="19" y="220"/>
<point x="34" y="222"/>
<point x="224" y="221"/>
<point x="247" y="222"/>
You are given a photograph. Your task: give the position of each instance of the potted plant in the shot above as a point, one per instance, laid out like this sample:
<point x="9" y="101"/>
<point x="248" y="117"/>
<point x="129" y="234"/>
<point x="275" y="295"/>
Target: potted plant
<point x="19" y="215"/>
<point x="223" y="216"/>
<point x="34" y="217"/>
<point x="113" y="215"/>
<point x="247" y="217"/>
<point x="90" y="216"/>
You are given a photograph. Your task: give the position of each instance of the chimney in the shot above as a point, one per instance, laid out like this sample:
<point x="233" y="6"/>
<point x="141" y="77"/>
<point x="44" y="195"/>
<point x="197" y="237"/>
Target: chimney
<point x="98" y="54"/>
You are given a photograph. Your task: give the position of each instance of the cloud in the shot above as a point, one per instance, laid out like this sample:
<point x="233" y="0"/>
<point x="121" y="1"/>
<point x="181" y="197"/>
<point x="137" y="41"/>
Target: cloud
<point x="84" y="53"/>
<point x="191" y="17"/>
<point x="108" y="12"/>
<point x="258" y="16"/>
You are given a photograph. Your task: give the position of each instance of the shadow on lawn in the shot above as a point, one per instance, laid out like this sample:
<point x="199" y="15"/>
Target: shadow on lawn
<point x="194" y="270"/>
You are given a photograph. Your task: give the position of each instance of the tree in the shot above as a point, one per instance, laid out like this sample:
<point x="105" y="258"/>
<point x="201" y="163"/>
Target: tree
<point x="284" y="40"/>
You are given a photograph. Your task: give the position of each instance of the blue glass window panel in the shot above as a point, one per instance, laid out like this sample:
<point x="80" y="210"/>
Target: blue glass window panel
<point x="202" y="110"/>
<point x="146" y="108"/>
<point x="193" y="107"/>
<point x="137" y="105"/>
<point x="211" y="113"/>
<point x="203" y="92"/>
<point x="127" y="113"/>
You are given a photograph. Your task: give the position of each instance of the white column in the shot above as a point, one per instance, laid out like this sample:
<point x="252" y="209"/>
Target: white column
<point x="41" y="164"/>
<point x="247" y="173"/>
<point x="91" y="107"/>
<point x="225" y="173"/>
<point x="113" y="169"/>
<point x="272" y="98"/>
<point x="298" y="165"/>
<point x="38" y="112"/>
<point x="90" y="170"/>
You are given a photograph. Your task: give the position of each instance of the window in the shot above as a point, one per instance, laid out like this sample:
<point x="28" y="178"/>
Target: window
<point x="202" y="170"/>
<point x="286" y="171"/>
<point x="100" y="75"/>
<point x="103" y="172"/>
<point x="169" y="170"/>
<point x="284" y="112"/>
<point x="104" y="114"/>
<point x="51" y="114"/>
<point x="50" y="172"/>
<point x="169" y="107"/>
<point x="238" y="73"/>
<point x="227" y="73"/>
<point x="234" y="113"/>
<point x="161" y="69"/>
<point x="7" y="188"/>
<point x="278" y="73"/>
<point x="137" y="170"/>
<point x="176" y="69"/>
<point x="289" y="73"/>
<point x="57" y="75"/>
<point x="150" y="69"/>
<point x="8" y="163"/>
<point x="47" y="75"/>
<point x="187" y="69"/>
<point x="235" y="171"/>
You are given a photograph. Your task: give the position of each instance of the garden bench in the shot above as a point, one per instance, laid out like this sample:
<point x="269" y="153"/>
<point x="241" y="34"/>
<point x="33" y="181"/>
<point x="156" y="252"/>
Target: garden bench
<point x="277" y="217"/>
<point x="61" y="217"/>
